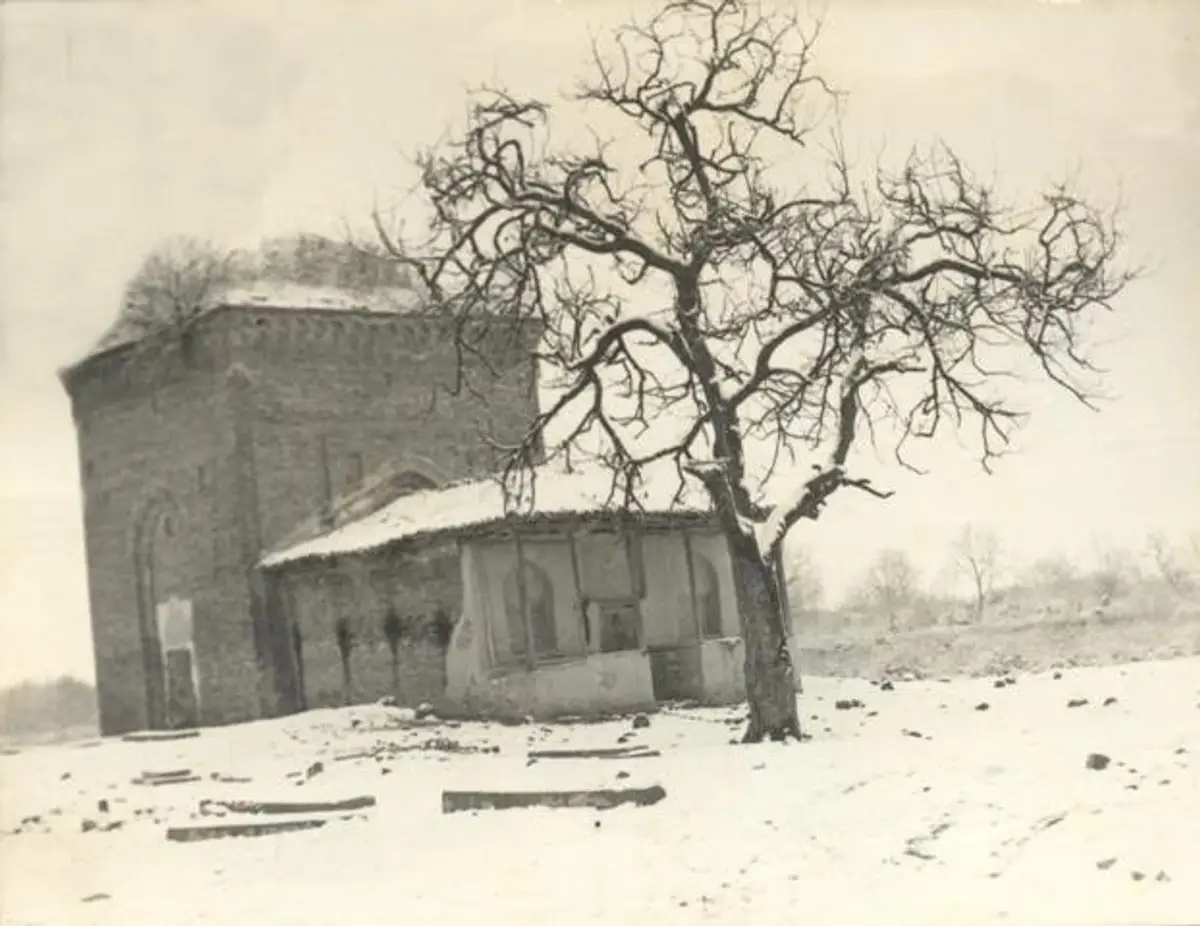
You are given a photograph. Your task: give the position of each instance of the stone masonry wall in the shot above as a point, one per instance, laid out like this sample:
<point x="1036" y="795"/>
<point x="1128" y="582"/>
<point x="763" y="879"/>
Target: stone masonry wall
<point x="274" y="411"/>
<point x="360" y="590"/>
<point x="141" y="449"/>
<point x="337" y="398"/>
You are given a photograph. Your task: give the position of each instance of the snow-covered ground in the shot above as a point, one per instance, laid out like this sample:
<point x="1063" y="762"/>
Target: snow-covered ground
<point x="915" y="807"/>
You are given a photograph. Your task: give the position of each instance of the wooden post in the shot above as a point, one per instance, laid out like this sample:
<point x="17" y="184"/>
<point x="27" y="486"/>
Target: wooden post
<point x="523" y="603"/>
<point x="580" y="601"/>
<point x="691" y="571"/>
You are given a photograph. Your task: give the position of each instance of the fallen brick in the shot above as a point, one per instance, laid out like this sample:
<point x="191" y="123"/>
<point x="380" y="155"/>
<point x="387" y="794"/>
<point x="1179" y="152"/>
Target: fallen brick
<point x="156" y="779"/>
<point x="457" y="801"/>
<point x="155" y="736"/>
<point x="234" y="830"/>
<point x="170" y="773"/>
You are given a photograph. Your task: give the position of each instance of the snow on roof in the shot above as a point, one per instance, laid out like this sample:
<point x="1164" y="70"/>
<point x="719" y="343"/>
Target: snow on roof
<point x="482" y="503"/>
<point x="301" y="296"/>
<point x="275" y="294"/>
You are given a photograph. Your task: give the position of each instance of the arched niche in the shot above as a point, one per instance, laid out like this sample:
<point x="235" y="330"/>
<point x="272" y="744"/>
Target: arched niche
<point x="161" y="545"/>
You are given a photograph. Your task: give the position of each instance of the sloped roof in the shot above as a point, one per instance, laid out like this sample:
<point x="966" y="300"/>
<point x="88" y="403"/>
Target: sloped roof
<point x="481" y="503"/>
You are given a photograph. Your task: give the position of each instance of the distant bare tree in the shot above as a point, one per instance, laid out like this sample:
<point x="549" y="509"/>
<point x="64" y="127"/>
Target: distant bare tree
<point x="891" y="584"/>
<point x="977" y="557"/>
<point x="1116" y="570"/>
<point x="805" y="589"/>
<point x="1051" y="572"/>
<point x="1168" y="564"/>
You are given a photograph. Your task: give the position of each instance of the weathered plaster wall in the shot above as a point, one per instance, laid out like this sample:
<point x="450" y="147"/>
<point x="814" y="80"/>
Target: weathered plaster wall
<point x="492" y="563"/>
<point x="470" y="654"/>
<point x="479" y="680"/>
<point x="713" y="546"/>
<point x="668" y="613"/>
<point x="593" y="683"/>
<point x="723" y="665"/>
<point x="553" y="557"/>
<point x="598" y="683"/>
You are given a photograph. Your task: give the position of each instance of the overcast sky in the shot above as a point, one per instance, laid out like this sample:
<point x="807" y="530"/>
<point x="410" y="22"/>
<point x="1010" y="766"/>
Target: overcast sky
<point x="124" y="123"/>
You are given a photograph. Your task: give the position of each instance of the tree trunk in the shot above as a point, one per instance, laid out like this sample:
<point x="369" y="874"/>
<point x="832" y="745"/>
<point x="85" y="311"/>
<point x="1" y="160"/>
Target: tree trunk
<point x="770" y="681"/>
<point x="396" y="672"/>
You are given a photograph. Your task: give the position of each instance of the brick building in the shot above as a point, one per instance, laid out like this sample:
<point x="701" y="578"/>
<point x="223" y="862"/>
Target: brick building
<point x="199" y="455"/>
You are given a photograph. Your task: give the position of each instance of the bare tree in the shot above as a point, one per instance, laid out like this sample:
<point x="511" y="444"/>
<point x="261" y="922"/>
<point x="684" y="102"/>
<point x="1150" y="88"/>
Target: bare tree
<point x="699" y="263"/>
<point x="805" y="590"/>
<point x="1052" y="572"/>
<point x="891" y="584"/>
<point x="977" y="558"/>
<point x="1168" y="564"/>
<point x="171" y="288"/>
<point x="1115" y="571"/>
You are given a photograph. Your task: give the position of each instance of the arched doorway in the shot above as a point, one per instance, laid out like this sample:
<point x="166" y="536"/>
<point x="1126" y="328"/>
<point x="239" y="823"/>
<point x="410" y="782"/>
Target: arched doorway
<point x="164" y="599"/>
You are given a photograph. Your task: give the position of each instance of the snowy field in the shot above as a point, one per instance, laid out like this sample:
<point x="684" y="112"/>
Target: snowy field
<point x="919" y="806"/>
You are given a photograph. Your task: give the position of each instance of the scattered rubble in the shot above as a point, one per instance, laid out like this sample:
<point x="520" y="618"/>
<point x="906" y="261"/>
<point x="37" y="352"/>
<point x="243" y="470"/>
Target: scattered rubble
<point x="425" y="711"/>
<point x="383" y="749"/>
<point x="916" y="846"/>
